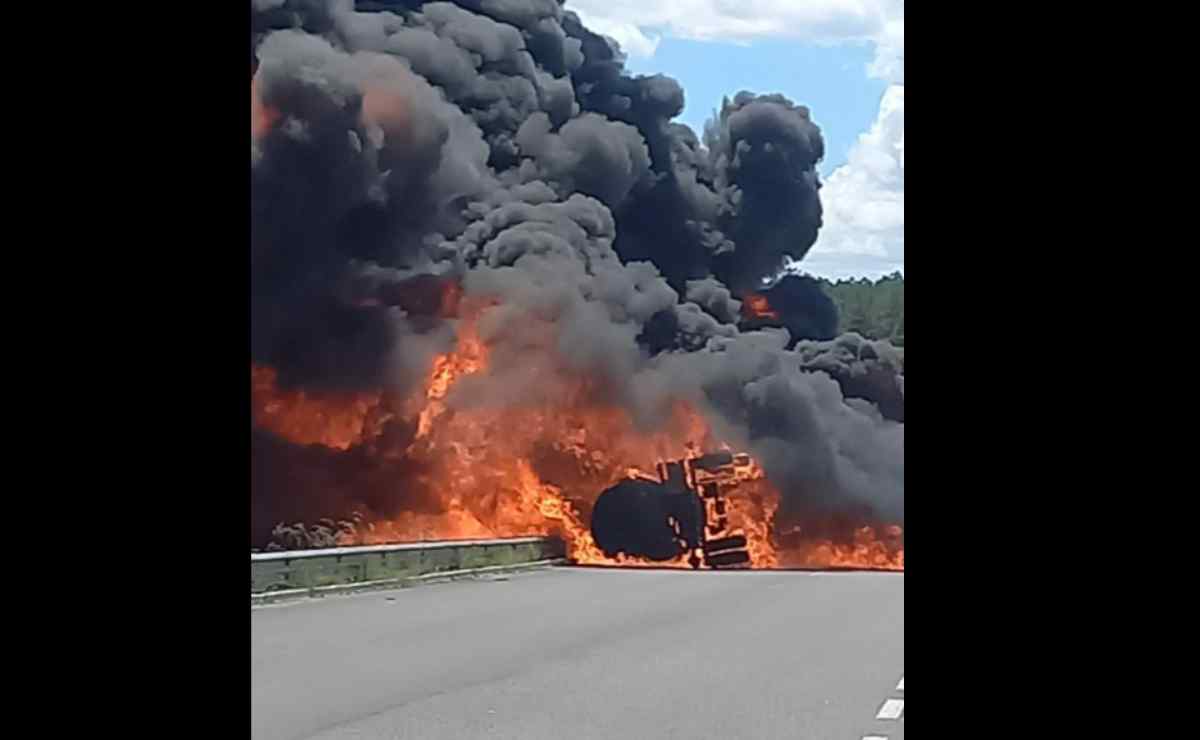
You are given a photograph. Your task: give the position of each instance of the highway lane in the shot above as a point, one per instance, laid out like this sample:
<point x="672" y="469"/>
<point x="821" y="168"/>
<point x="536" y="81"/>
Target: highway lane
<point x="587" y="653"/>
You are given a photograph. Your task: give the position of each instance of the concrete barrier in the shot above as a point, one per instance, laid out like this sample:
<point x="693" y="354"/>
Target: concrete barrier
<point x="292" y="572"/>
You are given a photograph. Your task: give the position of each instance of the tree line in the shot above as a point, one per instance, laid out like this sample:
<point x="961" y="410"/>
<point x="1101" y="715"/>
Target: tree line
<point x="872" y="308"/>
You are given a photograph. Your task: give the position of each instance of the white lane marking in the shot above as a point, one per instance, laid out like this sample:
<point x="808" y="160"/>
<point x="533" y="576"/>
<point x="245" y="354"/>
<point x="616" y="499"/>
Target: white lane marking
<point x="891" y="709"/>
<point x="900" y="686"/>
<point x="874" y="737"/>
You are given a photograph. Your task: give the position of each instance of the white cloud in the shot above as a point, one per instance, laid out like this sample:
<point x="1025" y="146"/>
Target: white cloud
<point x="815" y="21"/>
<point x="864" y="202"/>
<point x="633" y="40"/>
<point x="864" y="198"/>
<point x="889" y="51"/>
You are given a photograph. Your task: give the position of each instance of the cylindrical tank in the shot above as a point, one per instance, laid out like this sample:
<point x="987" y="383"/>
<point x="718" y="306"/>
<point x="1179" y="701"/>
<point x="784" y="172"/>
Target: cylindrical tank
<point x="631" y="518"/>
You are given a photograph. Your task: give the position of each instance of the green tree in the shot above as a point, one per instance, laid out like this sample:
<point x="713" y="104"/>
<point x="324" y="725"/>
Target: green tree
<point x="872" y="308"/>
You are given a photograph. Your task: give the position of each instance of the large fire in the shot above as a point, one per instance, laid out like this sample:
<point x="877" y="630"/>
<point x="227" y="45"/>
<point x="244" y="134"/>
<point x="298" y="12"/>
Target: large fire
<point x="537" y="468"/>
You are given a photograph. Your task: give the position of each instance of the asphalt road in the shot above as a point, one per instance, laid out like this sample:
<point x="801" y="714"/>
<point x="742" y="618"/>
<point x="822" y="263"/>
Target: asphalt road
<point x="581" y="653"/>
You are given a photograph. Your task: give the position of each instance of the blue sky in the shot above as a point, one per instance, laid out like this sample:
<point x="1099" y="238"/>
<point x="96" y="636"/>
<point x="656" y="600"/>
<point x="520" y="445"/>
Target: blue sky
<point x="831" y="81"/>
<point x="844" y="59"/>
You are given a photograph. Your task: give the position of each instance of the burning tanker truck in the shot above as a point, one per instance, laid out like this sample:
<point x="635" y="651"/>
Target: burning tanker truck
<point x="681" y="511"/>
<point x="483" y="253"/>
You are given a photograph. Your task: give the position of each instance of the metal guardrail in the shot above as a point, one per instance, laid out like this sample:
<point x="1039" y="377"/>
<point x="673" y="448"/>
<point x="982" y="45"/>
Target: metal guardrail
<point x="403" y="547"/>
<point x="294" y="570"/>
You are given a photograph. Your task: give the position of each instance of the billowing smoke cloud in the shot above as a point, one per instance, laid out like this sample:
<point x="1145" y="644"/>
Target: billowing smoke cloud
<point x="766" y="150"/>
<point x="403" y="150"/>
<point x="864" y="369"/>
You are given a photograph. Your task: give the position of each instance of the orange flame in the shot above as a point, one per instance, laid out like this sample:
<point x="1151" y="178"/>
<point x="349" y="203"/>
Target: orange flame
<point x="755" y="306"/>
<point x="537" y="468"/>
<point x="335" y="421"/>
<point x="880" y="548"/>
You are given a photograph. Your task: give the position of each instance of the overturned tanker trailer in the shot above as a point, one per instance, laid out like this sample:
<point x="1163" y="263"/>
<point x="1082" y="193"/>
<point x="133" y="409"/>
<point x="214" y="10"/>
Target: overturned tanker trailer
<point x="681" y="511"/>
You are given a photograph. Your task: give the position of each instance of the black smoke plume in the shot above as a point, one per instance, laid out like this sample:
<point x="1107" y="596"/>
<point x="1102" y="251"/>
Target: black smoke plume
<point x="498" y="148"/>
<point x="867" y="370"/>
<point x="798" y="304"/>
